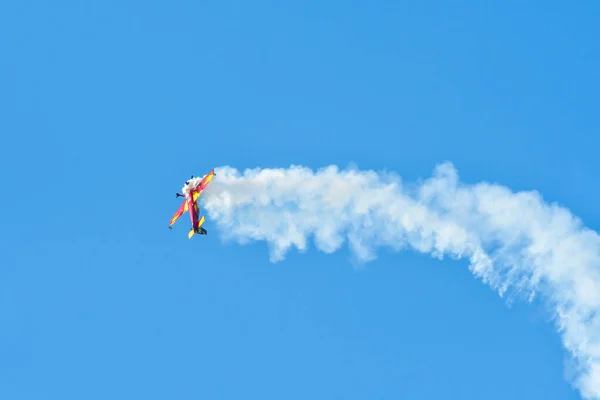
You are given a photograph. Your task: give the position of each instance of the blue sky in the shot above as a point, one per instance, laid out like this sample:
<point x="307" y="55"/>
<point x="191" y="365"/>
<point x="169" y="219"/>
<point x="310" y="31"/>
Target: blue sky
<point x="109" y="106"/>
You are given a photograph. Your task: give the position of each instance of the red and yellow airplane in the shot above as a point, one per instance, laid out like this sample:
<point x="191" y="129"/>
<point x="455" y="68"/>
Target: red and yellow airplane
<point x="191" y="191"/>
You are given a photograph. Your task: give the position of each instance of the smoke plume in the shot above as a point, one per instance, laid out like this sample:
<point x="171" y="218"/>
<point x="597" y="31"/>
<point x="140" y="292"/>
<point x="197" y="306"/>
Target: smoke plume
<point x="514" y="242"/>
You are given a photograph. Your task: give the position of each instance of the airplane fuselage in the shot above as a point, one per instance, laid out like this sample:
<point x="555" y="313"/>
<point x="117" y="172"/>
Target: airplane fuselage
<point x="193" y="211"/>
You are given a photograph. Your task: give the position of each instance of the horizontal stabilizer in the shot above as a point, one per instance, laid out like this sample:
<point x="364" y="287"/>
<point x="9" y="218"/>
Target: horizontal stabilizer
<point x="199" y="226"/>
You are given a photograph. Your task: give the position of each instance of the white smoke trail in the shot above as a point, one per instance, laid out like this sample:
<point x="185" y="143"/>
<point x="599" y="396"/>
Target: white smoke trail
<point x="513" y="240"/>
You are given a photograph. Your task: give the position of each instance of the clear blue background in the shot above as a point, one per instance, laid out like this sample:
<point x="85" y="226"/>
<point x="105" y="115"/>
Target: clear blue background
<point x="106" y="107"/>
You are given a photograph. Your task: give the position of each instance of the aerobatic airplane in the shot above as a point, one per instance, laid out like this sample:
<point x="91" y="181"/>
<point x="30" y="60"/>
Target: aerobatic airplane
<point x="191" y="191"/>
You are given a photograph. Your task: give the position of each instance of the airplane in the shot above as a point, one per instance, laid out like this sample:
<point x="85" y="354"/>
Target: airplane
<point x="192" y="189"/>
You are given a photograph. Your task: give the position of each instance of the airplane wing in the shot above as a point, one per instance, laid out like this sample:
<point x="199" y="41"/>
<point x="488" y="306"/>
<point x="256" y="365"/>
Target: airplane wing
<point x="202" y="185"/>
<point x="182" y="208"/>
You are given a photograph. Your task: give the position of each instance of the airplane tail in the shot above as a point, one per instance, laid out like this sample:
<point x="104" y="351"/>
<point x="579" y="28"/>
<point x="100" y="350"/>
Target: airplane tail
<point x="199" y="229"/>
